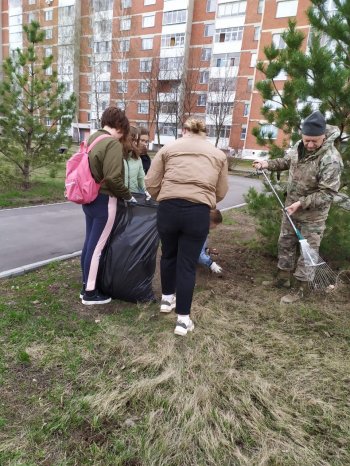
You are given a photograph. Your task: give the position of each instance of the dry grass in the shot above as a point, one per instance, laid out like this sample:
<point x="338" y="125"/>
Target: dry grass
<point x="255" y="384"/>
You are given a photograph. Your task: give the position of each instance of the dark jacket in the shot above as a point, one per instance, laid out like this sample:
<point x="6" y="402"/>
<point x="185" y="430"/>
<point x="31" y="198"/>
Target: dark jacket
<point x="146" y="162"/>
<point x="106" y="163"/>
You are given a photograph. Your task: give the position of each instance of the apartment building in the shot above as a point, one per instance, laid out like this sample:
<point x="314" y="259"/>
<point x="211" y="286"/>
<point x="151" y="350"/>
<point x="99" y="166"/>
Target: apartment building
<point x="161" y="60"/>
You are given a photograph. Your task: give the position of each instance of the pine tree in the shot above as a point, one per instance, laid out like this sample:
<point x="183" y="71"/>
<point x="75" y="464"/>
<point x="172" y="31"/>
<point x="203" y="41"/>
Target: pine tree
<point x="34" y="115"/>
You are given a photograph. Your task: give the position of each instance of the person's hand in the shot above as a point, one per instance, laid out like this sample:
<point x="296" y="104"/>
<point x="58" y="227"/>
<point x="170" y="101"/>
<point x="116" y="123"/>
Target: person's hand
<point x="213" y="251"/>
<point x="148" y="196"/>
<point x="215" y="268"/>
<point x="293" y="207"/>
<point x="260" y="164"/>
<point x="132" y="200"/>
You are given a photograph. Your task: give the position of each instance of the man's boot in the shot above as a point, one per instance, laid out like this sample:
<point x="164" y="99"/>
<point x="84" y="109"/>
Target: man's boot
<point x="283" y="279"/>
<point x="300" y="290"/>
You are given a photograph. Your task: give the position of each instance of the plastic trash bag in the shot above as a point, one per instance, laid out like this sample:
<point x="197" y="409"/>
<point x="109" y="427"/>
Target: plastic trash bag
<point x="128" y="262"/>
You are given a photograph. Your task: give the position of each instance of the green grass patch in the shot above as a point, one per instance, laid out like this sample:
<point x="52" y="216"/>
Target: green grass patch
<point x="255" y="384"/>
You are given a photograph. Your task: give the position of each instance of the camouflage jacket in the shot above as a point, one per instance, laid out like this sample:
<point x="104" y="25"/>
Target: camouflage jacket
<point x="313" y="179"/>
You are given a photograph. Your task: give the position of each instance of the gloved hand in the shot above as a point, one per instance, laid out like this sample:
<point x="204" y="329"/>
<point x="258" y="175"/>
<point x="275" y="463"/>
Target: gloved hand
<point x="215" y="268"/>
<point x="132" y="200"/>
<point x="148" y="196"/>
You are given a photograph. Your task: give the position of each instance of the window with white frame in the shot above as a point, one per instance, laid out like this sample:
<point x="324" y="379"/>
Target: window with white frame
<point x="286" y="8"/>
<point x="48" y="51"/>
<point x="48" y="121"/>
<point x="278" y="42"/>
<point x="48" y="71"/>
<point x="48" y="15"/>
<point x="169" y="108"/>
<point x="88" y="116"/>
<point x="222" y="84"/>
<point x="257" y="31"/>
<point x="125" y="24"/>
<point x="202" y="100"/>
<point x="243" y="132"/>
<point x="246" y="109"/>
<point x="31" y="17"/>
<point x="103" y="26"/>
<point x="143" y="87"/>
<point x="249" y="84"/>
<point x="219" y="108"/>
<point x="224" y="132"/>
<point x="103" y="86"/>
<point x="31" y="2"/>
<point x="211" y="6"/>
<point x="122" y="87"/>
<point x="104" y="105"/>
<point x="15" y="20"/>
<point x="123" y="66"/>
<point x="124" y="45"/>
<point x="149" y="2"/>
<point x="224" y="60"/>
<point x="69" y="87"/>
<point x="147" y="43"/>
<point x="170" y="63"/>
<point x="253" y="59"/>
<point x="126" y="3"/>
<point x="232" y="8"/>
<point x="120" y="104"/>
<point x="104" y="66"/>
<point x="148" y="20"/>
<point x="206" y="54"/>
<point x="48" y="33"/>
<point x="261" y="6"/>
<point x="167" y="129"/>
<point x="102" y="47"/>
<point x="174" y="17"/>
<point x="145" y="64"/>
<point x="203" y="77"/>
<point x="102" y="5"/>
<point x="209" y="30"/>
<point x="269" y="131"/>
<point x="229" y="34"/>
<point x="66" y="12"/>
<point x="142" y="106"/>
<point x="173" y="40"/>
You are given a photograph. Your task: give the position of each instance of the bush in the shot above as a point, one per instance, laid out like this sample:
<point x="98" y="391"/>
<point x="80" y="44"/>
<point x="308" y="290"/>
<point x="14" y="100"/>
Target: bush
<point x="336" y="241"/>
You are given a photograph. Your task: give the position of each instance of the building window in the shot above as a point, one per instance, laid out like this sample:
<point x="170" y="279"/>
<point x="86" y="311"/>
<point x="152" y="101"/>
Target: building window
<point x="261" y="7"/>
<point x="211" y="6"/>
<point x="250" y="85"/>
<point x="103" y="86"/>
<point x="222" y="108"/>
<point x="148" y="21"/>
<point x="120" y="104"/>
<point x="31" y="2"/>
<point x="48" y="51"/>
<point x="170" y="63"/>
<point x="125" y="24"/>
<point x="48" y="71"/>
<point x="287" y="8"/>
<point x="229" y="34"/>
<point x="269" y="131"/>
<point x="147" y="44"/>
<point x="143" y="87"/>
<point x="209" y="30"/>
<point x="243" y="132"/>
<point x="124" y="45"/>
<point x="88" y="116"/>
<point x="167" y="129"/>
<point x="105" y="66"/>
<point x="142" y="107"/>
<point x="246" y="110"/>
<point x="174" y="17"/>
<point x="103" y="27"/>
<point x="122" y="87"/>
<point x="48" y="33"/>
<point x="278" y="42"/>
<point x="232" y="8"/>
<point x="206" y="54"/>
<point x="204" y="77"/>
<point x="48" y="122"/>
<point x="66" y="11"/>
<point x="222" y="61"/>
<point x="31" y="17"/>
<point x="48" y="15"/>
<point x="173" y="40"/>
<point x="145" y="64"/>
<point x="253" y="59"/>
<point x="102" y="47"/>
<point x="202" y="100"/>
<point x="123" y="66"/>
<point x="224" y="132"/>
<point x="257" y="30"/>
<point x="149" y="2"/>
<point x="126" y="3"/>
<point x="102" y="5"/>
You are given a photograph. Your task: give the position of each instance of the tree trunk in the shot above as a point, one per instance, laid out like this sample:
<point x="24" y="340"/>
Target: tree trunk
<point x="26" y="175"/>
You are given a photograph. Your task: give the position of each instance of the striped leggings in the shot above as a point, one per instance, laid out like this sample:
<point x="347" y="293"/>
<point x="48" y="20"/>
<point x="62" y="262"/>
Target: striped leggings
<point x="99" y="216"/>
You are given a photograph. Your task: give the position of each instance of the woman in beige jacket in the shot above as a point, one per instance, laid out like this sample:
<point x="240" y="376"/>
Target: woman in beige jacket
<point x="187" y="177"/>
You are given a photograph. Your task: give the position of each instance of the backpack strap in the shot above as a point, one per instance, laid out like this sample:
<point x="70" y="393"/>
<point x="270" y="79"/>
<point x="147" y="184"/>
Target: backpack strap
<point x="98" y="139"/>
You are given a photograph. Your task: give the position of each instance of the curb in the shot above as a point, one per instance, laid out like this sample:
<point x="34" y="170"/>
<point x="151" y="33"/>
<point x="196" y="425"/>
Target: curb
<point x="36" y="265"/>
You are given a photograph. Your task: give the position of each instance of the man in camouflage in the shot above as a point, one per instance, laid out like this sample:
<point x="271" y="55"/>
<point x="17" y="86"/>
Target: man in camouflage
<point x="314" y="178"/>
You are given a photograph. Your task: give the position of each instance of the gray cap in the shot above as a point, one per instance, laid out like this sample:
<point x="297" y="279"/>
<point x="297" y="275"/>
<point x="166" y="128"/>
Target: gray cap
<point x="314" y="125"/>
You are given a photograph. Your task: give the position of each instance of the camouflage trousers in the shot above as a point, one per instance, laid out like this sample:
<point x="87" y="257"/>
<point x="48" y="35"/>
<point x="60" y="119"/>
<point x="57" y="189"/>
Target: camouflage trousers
<point x="288" y="244"/>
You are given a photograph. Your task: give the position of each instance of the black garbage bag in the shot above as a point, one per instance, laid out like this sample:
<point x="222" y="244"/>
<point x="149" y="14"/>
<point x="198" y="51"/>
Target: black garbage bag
<point x="128" y="262"/>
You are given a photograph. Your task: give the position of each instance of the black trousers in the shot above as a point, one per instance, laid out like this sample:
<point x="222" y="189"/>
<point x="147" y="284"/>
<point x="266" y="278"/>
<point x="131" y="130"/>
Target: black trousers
<point x="183" y="227"/>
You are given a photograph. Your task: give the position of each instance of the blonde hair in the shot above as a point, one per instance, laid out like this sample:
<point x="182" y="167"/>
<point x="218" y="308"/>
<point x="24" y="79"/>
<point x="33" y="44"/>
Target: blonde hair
<point x="195" y="126"/>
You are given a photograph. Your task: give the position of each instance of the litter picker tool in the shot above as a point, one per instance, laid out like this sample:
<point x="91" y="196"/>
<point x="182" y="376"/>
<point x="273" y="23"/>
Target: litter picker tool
<point x="320" y="275"/>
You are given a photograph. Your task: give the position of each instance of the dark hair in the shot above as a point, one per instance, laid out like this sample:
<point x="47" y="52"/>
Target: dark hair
<point x="130" y="144"/>
<point x="143" y="131"/>
<point x="215" y="216"/>
<point x="115" y="118"/>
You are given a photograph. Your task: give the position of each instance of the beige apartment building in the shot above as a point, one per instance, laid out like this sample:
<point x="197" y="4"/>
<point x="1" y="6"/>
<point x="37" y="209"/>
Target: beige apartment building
<point x="160" y="60"/>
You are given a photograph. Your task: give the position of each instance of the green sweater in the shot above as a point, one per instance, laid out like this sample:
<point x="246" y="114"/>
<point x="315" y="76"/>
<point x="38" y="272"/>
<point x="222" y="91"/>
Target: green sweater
<point x="134" y="177"/>
<point x="106" y="163"/>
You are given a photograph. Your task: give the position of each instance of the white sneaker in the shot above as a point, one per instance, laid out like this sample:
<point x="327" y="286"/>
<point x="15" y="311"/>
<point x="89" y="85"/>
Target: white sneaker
<point x="168" y="306"/>
<point x="182" y="329"/>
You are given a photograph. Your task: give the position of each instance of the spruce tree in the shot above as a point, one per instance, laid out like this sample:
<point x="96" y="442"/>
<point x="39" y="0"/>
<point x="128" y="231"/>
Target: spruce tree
<point x="34" y="114"/>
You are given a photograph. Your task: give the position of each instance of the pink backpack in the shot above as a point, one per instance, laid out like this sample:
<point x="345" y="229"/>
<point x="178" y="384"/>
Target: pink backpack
<point x="81" y="188"/>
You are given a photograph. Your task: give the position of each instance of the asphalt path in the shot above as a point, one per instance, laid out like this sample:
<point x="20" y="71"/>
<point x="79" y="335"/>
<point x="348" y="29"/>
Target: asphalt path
<point x="30" y="235"/>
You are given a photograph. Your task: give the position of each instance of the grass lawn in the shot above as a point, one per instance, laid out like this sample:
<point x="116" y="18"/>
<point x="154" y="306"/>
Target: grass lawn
<point x="256" y="383"/>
